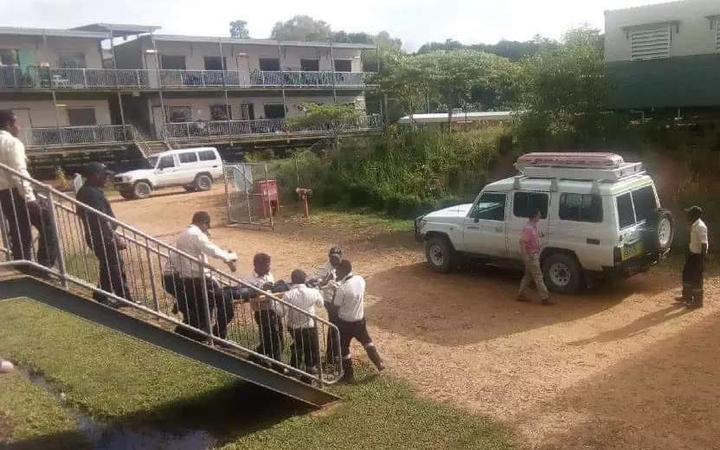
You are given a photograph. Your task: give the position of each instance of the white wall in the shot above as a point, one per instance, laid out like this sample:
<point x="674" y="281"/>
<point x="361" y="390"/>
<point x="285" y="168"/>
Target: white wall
<point x="695" y="35"/>
<point x="48" y="54"/>
<point x="42" y="112"/>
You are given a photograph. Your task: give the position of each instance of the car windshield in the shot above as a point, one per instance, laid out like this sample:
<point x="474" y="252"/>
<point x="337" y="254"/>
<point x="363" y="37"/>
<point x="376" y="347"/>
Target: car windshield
<point x="152" y="162"/>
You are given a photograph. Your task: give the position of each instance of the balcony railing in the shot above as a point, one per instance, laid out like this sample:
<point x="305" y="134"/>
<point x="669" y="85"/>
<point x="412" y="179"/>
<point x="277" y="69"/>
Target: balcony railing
<point x="14" y="77"/>
<point x="249" y="128"/>
<point x="77" y="136"/>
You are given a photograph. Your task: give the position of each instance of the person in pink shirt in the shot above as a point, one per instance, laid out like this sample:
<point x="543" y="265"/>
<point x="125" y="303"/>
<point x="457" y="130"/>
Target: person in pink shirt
<point x="530" y="249"/>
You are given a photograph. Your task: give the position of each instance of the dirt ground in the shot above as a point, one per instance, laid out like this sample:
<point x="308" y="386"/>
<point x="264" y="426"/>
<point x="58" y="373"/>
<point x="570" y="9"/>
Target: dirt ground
<point x="621" y="367"/>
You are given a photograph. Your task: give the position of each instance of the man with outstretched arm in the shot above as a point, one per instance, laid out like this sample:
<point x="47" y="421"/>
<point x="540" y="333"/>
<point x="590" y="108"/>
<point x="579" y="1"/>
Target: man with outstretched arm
<point x="349" y="300"/>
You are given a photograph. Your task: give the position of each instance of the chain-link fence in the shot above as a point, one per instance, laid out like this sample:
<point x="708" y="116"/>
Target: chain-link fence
<point x="252" y="195"/>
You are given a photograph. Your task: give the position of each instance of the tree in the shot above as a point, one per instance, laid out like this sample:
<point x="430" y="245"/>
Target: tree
<point x="238" y="29"/>
<point x="301" y="28"/>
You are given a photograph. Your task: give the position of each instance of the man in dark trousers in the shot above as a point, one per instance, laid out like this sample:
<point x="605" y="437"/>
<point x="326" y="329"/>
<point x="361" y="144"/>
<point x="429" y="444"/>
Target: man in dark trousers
<point x="325" y="280"/>
<point x="18" y="202"/>
<point x="692" y="277"/>
<point x="100" y="235"/>
<point x="349" y="300"/>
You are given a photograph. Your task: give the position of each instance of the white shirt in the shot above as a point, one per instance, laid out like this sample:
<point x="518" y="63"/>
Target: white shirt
<point x="195" y="243"/>
<point x="262" y="303"/>
<point x="349" y="298"/>
<point x="12" y="154"/>
<point x="327" y="273"/>
<point x="305" y="298"/>
<point x="698" y="236"/>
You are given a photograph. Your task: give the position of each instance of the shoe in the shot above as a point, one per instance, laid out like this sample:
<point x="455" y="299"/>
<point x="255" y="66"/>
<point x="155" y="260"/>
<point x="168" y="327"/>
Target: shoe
<point x="375" y="358"/>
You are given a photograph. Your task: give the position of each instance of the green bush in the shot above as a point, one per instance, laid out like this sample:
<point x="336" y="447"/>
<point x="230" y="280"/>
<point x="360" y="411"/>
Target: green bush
<point x="324" y="116"/>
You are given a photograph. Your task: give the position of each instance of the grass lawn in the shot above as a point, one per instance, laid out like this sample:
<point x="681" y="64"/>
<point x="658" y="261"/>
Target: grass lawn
<point x="123" y="381"/>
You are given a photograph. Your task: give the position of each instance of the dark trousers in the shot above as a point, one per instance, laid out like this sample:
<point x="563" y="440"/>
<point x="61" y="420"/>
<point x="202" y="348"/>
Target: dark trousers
<point x="332" y="348"/>
<point x="20" y="221"/>
<point x="188" y="293"/>
<point x="271" y="336"/>
<point x="692" y="278"/>
<point x="112" y="274"/>
<point x="305" y="348"/>
<point x="352" y="330"/>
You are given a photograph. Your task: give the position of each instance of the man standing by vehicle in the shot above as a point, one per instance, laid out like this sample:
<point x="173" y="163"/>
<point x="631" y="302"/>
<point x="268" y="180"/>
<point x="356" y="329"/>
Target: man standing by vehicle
<point x="100" y="235"/>
<point x="692" y="276"/>
<point x="530" y="249"/>
<point x="349" y="300"/>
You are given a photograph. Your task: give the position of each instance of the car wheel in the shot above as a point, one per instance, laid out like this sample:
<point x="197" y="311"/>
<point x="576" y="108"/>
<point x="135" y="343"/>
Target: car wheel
<point x="203" y="182"/>
<point x="142" y="189"/>
<point x="440" y="254"/>
<point x="562" y="273"/>
<point x="665" y="230"/>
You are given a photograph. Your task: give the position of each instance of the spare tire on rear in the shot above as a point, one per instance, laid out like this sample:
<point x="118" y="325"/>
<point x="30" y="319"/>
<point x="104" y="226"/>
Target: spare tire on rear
<point x="659" y="232"/>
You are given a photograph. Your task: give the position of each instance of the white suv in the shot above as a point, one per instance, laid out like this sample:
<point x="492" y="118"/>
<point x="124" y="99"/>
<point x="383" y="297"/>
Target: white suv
<point x="193" y="168"/>
<point x="601" y="216"/>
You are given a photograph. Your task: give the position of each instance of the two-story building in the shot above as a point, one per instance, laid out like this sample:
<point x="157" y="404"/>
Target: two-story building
<point x="664" y="56"/>
<point x="109" y="86"/>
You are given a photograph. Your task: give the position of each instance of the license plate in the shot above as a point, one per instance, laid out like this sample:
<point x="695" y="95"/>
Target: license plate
<point x="632" y="250"/>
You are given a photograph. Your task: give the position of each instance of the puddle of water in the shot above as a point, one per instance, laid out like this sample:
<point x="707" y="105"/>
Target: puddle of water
<point x="102" y="436"/>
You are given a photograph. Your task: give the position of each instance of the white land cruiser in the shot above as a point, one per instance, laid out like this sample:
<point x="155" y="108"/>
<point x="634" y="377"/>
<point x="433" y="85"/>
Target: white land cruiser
<point x="193" y="168"/>
<point x="601" y="216"/>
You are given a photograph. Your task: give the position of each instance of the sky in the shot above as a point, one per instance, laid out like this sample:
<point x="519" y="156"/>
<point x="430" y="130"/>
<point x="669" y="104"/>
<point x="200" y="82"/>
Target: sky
<point x="414" y="21"/>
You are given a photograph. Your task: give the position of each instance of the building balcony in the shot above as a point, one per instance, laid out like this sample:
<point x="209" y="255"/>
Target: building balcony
<point x="84" y="136"/>
<point x="223" y="130"/>
<point x="14" y="77"/>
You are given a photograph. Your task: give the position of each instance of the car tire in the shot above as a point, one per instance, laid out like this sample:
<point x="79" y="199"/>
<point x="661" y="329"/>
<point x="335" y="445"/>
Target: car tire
<point x="659" y="232"/>
<point x="440" y="254"/>
<point x="562" y="273"/>
<point x="203" y="182"/>
<point x="142" y="189"/>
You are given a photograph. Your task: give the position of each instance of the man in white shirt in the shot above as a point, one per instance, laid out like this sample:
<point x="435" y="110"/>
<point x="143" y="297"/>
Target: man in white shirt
<point x="692" y="293"/>
<point x="305" y="349"/>
<point x="326" y="279"/>
<point x="349" y="300"/>
<point x="184" y="279"/>
<point x="18" y="203"/>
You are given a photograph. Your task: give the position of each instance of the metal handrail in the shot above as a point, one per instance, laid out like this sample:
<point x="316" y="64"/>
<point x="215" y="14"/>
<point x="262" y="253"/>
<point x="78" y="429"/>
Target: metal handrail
<point x="61" y="225"/>
<point x="72" y="135"/>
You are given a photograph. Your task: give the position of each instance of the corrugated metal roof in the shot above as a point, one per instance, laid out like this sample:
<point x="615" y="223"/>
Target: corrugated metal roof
<point x="22" y="31"/>
<point x="227" y="40"/>
<point x="118" y="29"/>
<point x="457" y="117"/>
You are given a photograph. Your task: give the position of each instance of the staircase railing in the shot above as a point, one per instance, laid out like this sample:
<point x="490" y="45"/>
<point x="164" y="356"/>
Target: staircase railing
<point x="83" y="249"/>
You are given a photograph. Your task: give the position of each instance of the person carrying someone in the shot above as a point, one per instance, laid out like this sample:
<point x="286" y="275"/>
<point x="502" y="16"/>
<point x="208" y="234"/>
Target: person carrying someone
<point x="188" y="280"/>
<point x="100" y="236"/>
<point x="305" y="348"/>
<point x="349" y="300"/>
<point x="530" y="250"/>
<point x="692" y="275"/>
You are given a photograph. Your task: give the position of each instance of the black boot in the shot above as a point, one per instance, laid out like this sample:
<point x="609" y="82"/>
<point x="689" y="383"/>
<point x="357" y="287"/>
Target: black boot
<point x="348" y="374"/>
<point x="375" y="357"/>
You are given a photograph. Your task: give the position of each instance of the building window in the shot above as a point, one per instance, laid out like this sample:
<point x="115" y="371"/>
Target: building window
<point x="581" y="208"/>
<point x="651" y="42"/>
<point x="79" y="117"/>
<point x="716" y="20"/>
<point x="9" y="57"/>
<point x="178" y="114"/>
<point x="247" y="111"/>
<point x="214" y="63"/>
<point x="343" y="65"/>
<point x="270" y="64"/>
<point x="176" y="62"/>
<point x="274" y="111"/>
<point x="220" y="112"/>
<point x="71" y="60"/>
<point x="527" y="203"/>
<point x="310" y="65"/>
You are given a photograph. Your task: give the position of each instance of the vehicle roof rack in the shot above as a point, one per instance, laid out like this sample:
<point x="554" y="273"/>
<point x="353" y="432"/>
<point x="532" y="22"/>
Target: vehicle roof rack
<point x="577" y="166"/>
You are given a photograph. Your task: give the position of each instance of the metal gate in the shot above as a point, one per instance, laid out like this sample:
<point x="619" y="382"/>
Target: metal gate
<point x="252" y="197"/>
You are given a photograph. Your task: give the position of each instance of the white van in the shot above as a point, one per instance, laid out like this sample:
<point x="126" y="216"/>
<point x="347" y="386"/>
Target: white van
<point x="193" y="168"/>
<point x="601" y="217"/>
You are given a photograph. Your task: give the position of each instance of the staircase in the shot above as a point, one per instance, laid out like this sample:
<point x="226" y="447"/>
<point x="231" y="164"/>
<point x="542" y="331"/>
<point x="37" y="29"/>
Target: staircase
<point x="69" y="272"/>
<point x="146" y="146"/>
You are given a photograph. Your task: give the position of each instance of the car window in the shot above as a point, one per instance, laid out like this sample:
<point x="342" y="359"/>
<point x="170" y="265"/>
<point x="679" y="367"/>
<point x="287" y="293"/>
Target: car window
<point x="189" y="157"/>
<point x="207" y="155"/>
<point x="626" y="214"/>
<point x="581" y="208"/>
<point x="490" y="207"/>
<point x="526" y="203"/>
<point x="166" y="162"/>
<point x="645" y="203"/>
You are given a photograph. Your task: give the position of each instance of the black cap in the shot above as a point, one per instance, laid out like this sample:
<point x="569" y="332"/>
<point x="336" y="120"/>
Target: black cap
<point x="95" y="167"/>
<point x="694" y="210"/>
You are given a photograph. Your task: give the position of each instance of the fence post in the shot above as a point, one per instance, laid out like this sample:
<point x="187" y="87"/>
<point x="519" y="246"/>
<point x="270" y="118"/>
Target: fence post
<point x="206" y="305"/>
<point x="84" y="78"/>
<point x="269" y="202"/>
<point x="227" y="192"/>
<point x="58" y="239"/>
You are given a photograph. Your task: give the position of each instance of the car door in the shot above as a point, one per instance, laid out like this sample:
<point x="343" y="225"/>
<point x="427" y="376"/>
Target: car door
<point x="189" y="167"/>
<point x="484" y="228"/>
<point x="524" y="203"/>
<point x="166" y="172"/>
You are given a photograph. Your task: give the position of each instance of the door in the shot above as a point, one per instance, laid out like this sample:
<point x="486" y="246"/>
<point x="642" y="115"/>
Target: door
<point x="484" y="230"/>
<point x="525" y="203"/>
<point x="187" y="169"/>
<point x="158" y="122"/>
<point x="243" y="67"/>
<point x="166" y="173"/>
<point x="247" y="111"/>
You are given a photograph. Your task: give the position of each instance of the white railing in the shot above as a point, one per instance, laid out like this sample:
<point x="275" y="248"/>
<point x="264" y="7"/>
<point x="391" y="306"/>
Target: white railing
<point x="68" y="136"/>
<point x="13" y="77"/>
<point x="81" y="248"/>
<point x="248" y="128"/>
